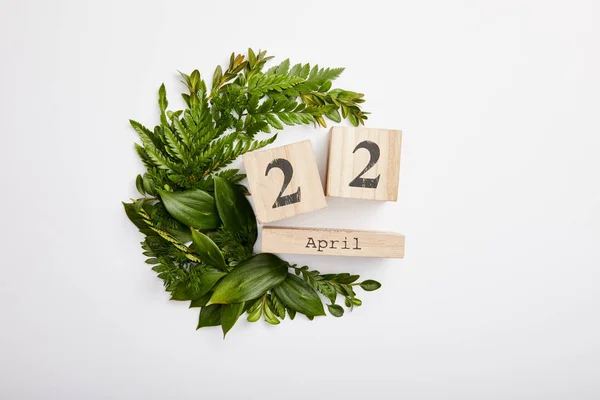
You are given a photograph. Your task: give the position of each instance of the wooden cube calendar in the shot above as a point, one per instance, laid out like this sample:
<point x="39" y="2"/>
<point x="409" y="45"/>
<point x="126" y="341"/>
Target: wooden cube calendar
<point x="284" y="181"/>
<point x="364" y="163"/>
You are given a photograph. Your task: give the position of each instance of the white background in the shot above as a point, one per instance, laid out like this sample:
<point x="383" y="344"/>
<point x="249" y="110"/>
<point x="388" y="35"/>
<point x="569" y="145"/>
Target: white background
<point x="497" y="297"/>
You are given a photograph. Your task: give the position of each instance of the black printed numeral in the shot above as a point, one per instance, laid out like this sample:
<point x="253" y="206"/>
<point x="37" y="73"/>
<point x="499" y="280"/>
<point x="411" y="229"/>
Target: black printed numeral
<point x="374" y="154"/>
<point x="286" y="167"/>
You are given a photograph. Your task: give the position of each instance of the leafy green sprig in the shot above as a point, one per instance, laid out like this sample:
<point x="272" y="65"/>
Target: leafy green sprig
<point x="199" y="228"/>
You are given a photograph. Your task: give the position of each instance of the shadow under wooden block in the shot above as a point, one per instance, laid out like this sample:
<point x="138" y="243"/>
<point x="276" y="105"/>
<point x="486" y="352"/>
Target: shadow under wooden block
<point x="332" y="242"/>
<point x="284" y="181"/>
<point x="364" y="163"/>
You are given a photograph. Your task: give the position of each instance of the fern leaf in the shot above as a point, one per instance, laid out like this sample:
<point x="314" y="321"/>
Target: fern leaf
<point x="176" y="147"/>
<point x="261" y="84"/>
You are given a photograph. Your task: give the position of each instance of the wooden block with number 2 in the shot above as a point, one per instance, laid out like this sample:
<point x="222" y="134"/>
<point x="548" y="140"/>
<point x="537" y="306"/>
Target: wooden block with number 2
<point x="284" y="181"/>
<point x="364" y="163"/>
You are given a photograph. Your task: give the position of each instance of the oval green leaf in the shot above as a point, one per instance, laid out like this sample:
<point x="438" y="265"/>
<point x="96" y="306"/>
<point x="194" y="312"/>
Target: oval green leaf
<point x="370" y="285"/>
<point x="208" y="251"/>
<point x="335" y="310"/>
<point x="299" y="296"/>
<point x="234" y="208"/>
<point x="356" y="302"/>
<point x="250" y="279"/>
<point x="254" y="315"/>
<point x="194" y="208"/>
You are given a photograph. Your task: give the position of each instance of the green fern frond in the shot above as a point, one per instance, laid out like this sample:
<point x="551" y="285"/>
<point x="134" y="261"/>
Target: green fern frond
<point x="261" y="84"/>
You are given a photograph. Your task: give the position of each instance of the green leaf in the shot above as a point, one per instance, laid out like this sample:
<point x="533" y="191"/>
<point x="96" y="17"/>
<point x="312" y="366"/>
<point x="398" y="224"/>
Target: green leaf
<point x="208" y="251"/>
<point x="217" y="77"/>
<point x="255" y="312"/>
<point x="299" y="296"/>
<point x="210" y="316"/>
<point x="334" y="115"/>
<point x="250" y="279"/>
<point x="335" y="310"/>
<point x="343" y="278"/>
<point x="184" y="291"/>
<point x="269" y="315"/>
<point x="147" y="184"/>
<point x="139" y="184"/>
<point x="194" y="208"/>
<point x="234" y="208"/>
<point x="370" y="285"/>
<point x="229" y="316"/>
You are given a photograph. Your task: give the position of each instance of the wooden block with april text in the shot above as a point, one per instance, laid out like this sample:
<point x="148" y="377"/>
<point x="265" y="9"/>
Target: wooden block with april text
<point x="332" y="242"/>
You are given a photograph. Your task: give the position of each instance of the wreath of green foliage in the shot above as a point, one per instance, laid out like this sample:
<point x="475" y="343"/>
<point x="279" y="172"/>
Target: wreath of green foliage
<point x="199" y="227"/>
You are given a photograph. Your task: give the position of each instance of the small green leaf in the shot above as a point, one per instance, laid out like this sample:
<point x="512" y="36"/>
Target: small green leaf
<point x="370" y="285"/>
<point x="254" y="315"/>
<point x="356" y="302"/>
<point x="345" y="278"/>
<point x="147" y="184"/>
<point x="334" y="115"/>
<point x="229" y="316"/>
<point x="194" y="208"/>
<point x="251" y="58"/>
<point x="217" y="77"/>
<point x="335" y="310"/>
<point x="250" y="279"/>
<point x="210" y="316"/>
<point x="139" y="184"/>
<point x="269" y="315"/>
<point x="299" y="296"/>
<point x="194" y="79"/>
<point x="234" y="208"/>
<point x="208" y="251"/>
<point x="255" y="310"/>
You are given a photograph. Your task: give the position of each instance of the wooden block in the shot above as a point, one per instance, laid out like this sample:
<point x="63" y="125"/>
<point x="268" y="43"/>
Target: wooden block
<point x="284" y="181"/>
<point x="332" y="242"/>
<point x="364" y="163"/>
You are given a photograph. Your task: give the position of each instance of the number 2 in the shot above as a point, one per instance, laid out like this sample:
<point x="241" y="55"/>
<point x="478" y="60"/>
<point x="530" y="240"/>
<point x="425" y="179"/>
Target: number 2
<point x="374" y="154"/>
<point x="286" y="167"/>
